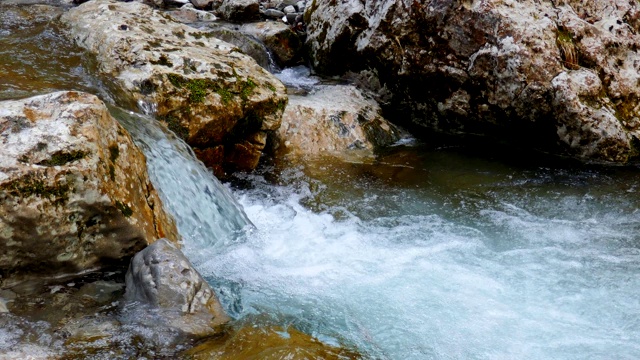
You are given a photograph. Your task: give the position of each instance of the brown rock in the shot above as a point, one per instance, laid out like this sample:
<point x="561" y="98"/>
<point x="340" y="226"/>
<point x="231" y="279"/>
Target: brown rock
<point x="268" y="343"/>
<point x="204" y="89"/>
<point x="74" y="189"/>
<point x="278" y="37"/>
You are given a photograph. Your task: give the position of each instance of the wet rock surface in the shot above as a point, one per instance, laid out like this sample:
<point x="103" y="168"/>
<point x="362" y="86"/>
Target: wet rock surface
<point x="74" y="189"/>
<point x="209" y="93"/>
<point x="279" y="38"/>
<point x="514" y="70"/>
<point x="161" y="277"/>
<point x="334" y="121"/>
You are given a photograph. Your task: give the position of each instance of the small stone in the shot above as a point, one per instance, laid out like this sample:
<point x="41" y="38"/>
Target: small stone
<point x="289" y="9"/>
<point x="301" y="5"/>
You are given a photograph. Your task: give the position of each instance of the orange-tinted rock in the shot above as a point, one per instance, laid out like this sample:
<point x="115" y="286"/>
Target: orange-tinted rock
<point x="74" y="189"/>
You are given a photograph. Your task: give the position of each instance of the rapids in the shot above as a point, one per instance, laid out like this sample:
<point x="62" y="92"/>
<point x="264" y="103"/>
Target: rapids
<point x="431" y="252"/>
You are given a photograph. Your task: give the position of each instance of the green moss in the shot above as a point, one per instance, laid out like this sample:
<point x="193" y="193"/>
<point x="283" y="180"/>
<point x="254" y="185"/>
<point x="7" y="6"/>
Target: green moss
<point x="124" y="209"/>
<point x="197" y="35"/>
<point x="281" y="104"/>
<point x="164" y="61"/>
<point x="32" y="184"/>
<point x="114" y="152"/>
<point x="247" y="89"/>
<point x="225" y="95"/>
<point x="271" y="87"/>
<point x="60" y="158"/>
<point x="197" y="89"/>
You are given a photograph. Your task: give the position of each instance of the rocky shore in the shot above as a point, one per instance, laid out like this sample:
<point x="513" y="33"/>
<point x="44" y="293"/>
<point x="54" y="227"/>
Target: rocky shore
<point x="77" y="208"/>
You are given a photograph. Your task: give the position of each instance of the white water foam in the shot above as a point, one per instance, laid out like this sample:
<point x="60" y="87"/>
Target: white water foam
<point x="543" y="276"/>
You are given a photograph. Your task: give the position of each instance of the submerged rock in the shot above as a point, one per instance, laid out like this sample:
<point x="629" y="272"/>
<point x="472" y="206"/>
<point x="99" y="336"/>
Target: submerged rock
<point x="334" y="121"/>
<point x="209" y="93"/>
<point x="74" y="189"/>
<point x="562" y="77"/>
<point x="162" y="277"/>
<point x="268" y="343"/>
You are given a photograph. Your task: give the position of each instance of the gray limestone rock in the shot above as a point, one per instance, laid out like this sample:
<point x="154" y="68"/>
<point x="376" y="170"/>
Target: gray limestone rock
<point x="163" y="278"/>
<point x="513" y="70"/>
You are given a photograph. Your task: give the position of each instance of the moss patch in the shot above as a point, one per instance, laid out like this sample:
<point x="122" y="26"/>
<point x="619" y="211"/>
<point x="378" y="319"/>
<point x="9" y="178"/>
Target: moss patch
<point x="32" y="184"/>
<point x="60" y="158"/>
<point x="247" y="89"/>
<point x="197" y="90"/>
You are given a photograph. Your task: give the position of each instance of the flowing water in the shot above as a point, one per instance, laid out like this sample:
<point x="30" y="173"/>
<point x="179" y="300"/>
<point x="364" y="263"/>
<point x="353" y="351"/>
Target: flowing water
<point x="428" y="253"/>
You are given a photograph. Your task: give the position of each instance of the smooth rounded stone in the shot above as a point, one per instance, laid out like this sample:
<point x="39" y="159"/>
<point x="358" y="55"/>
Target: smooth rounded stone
<point x="334" y="121"/>
<point x="204" y="89"/>
<point x="268" y="343"/>
<point x="300" y="5"/>
<point x="512" y="70"/>
<point x="239" y="10"/>
<point x="273" y="14"/>
<point x="278" y="37"/>
<point x="189" y="14"/>
<point x="163" y="278"/>
<point x="74" y="190"/>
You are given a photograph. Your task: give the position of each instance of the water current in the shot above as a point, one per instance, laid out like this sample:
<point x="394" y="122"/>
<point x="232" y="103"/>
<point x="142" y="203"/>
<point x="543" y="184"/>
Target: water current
<point x="431" y="252"/>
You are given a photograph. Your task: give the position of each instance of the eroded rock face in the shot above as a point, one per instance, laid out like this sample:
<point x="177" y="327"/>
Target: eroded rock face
<point x="162" y="277"/>
<point x="74" y="189"/>
<point x="210" y="94"/>
<point x="334" y="121"/>
<point x="560" y="76"/>
<point x="238" y="10"/>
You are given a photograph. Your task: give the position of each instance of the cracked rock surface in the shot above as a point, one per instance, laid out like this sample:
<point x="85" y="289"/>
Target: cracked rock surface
<point x="561" y="76"/>
<point x="74" y="189"/>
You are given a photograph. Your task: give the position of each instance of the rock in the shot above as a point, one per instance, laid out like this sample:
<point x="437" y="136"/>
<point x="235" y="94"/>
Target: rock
<point x="506" y="69"/>
<point x="239" y="10"/>
<point x="188" y="14"/>
<point x="248" y="44"/>
<point x="273" y="14"/>
<point x="289" y="9"/>
<point x="74" y="189"/>
<point x="209" y="93"/>
<point x="334" y="121"/>
<point x="300" y="5"/>
<point x="162" y="277"/>
<point x="267" y="343"/>
<point x="201" y="4"/>
<point x="278" y="37"/>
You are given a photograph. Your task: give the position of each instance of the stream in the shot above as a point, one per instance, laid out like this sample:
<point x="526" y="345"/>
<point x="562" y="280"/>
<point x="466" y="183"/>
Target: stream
<point x="433" y="251"/>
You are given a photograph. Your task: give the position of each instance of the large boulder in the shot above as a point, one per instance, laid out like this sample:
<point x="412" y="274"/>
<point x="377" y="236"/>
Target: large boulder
<point x="209" y="93"/>
<point x="559" y="76"/>
<point x="334" y="121"/>
<point x="161" y="277"/>
<point x="74" y="189"/>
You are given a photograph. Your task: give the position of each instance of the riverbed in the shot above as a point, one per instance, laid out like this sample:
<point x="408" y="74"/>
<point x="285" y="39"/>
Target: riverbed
<point x="435" y="250"/>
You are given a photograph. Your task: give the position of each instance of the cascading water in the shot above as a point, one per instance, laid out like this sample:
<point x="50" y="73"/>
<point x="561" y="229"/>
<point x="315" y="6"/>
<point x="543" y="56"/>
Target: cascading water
<point x="427" y="254"/>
